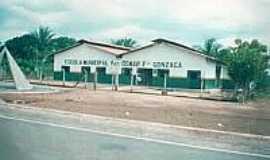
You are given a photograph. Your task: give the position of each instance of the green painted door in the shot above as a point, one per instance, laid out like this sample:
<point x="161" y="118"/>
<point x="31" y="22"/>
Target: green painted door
<point x="102" y="77"/>
<point x="86" y="73"/>
<point x="145" y="77"/>
<point x="65" y="73"/>
<point x="125" y="76"/>
<point x="194" y="79"/>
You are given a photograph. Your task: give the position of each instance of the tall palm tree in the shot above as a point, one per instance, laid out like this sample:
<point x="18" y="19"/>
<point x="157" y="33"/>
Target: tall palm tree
<point x="43" y="37"/>
<point x="210" y="47"/>
<point x="126" y="42"/>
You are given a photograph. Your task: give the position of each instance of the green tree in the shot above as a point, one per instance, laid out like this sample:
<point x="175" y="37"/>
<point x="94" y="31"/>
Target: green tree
<point x="210" y="47"/>
<point x="126" y="42"/>
<point x="43" y="37"/>
<point x="25" y="49"/>
<point x="56" y="45"/>
<point x="22" y="49"/>
<point x="247" y="63"/>
<point x="61" y="43"/>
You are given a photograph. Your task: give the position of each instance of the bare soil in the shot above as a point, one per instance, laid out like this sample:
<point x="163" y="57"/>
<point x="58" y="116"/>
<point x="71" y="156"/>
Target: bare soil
<point x="253" y="118"/>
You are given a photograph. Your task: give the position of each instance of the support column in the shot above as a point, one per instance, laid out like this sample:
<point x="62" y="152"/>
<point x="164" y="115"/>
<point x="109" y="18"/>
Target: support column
<point x="202" y="84"/>
<point x="116" y="82"/>
<point x="113" y="78"/>
<point x="64" y="76"/>
<point x="131" y="82"/>
<point x="95" y="81"/>
<point x="85" y="79"/>
<point x="164" y="91"/>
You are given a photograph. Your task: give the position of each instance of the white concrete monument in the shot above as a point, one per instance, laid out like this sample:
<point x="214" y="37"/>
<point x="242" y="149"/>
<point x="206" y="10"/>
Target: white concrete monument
<point x="20" y="80"/>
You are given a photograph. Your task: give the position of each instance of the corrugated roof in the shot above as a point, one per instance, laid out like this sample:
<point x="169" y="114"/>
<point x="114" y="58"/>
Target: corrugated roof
<point x="161" y="40"/>
<point x="102" y="44"/>
<point x="113" y="49"/>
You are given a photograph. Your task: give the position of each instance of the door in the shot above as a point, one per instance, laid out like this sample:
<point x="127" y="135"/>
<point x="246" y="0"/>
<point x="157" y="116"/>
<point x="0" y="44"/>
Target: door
<point x="194" y="79"/>
<point x="144" y="77"/>
<point x="86" y="73"/>
<point x="65" y="73"/>
<point x="102" y="77"/>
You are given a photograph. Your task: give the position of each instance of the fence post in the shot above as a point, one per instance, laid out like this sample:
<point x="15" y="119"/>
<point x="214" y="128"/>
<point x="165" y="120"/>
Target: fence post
<point x="85" y="78"/>
<point x="164" y="91"/>
<point x="116" y="82"/>
<point x="95" y="81"/>
<point x="64" y="77"/>
<point x="131" y="83"/>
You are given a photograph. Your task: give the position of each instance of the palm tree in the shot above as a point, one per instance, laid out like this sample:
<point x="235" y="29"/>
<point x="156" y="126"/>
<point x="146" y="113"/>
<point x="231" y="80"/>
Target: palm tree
<point x="210" y="47"/>
<point x="43" y="37"/>
<point x="126" y="42"/>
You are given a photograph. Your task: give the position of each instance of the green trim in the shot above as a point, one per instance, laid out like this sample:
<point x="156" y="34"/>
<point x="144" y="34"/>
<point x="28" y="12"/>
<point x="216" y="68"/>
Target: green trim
<point x="57" y="75"/>
<point x="106" y="79"/>
<point x="72" y="76"/>
<point x="124" y="79"/>
<point x="177" y="83"/>
<point x="210" y="84"/>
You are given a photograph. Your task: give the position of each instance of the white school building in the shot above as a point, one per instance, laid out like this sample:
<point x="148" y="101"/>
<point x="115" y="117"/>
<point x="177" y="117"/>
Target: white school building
<point x="149" y="65"/>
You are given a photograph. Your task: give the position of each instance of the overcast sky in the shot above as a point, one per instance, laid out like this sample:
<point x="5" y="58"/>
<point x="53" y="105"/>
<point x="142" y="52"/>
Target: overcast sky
<point x="186" y="21"/>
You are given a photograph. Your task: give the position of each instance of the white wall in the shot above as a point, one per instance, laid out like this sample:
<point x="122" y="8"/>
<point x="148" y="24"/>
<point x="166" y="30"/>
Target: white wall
<point x="81" y="52"/>
<point x="166" y="52"/>
<point x="158" y="53"/>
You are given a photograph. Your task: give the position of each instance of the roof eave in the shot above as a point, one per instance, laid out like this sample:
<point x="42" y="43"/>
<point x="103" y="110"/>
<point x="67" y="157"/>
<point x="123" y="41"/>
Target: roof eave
<point x="104" y="45"/>
<point x="137" y="49"/>
<point x="67" y="48"/>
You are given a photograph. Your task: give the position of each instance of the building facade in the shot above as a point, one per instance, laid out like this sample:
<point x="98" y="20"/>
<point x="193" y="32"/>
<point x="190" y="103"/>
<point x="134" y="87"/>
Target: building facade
<point x="80" y="62"/>
<point x="158" y="64"/>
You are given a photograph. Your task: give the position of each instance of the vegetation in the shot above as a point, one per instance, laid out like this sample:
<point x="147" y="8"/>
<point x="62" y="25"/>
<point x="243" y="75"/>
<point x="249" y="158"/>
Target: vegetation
<point x="31" y="49"/>
<point x="210" y="47"/>
<point x="43" y="43"/>
<point x="247" y="64"/>
<point x="125" y="42"/>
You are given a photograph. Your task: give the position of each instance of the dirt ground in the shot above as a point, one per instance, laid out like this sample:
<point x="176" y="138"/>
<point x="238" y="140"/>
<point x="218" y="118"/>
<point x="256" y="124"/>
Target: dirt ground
<point x="252" y="118"/>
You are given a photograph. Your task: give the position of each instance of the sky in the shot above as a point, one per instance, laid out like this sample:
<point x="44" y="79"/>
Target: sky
<point x="190" y="22"/>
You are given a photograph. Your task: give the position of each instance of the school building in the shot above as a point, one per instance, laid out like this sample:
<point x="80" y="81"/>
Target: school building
<point x="161" y="62"/>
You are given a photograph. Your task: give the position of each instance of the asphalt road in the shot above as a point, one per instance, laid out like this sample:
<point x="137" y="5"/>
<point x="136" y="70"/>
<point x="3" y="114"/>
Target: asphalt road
<point x="24" y="136"/>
